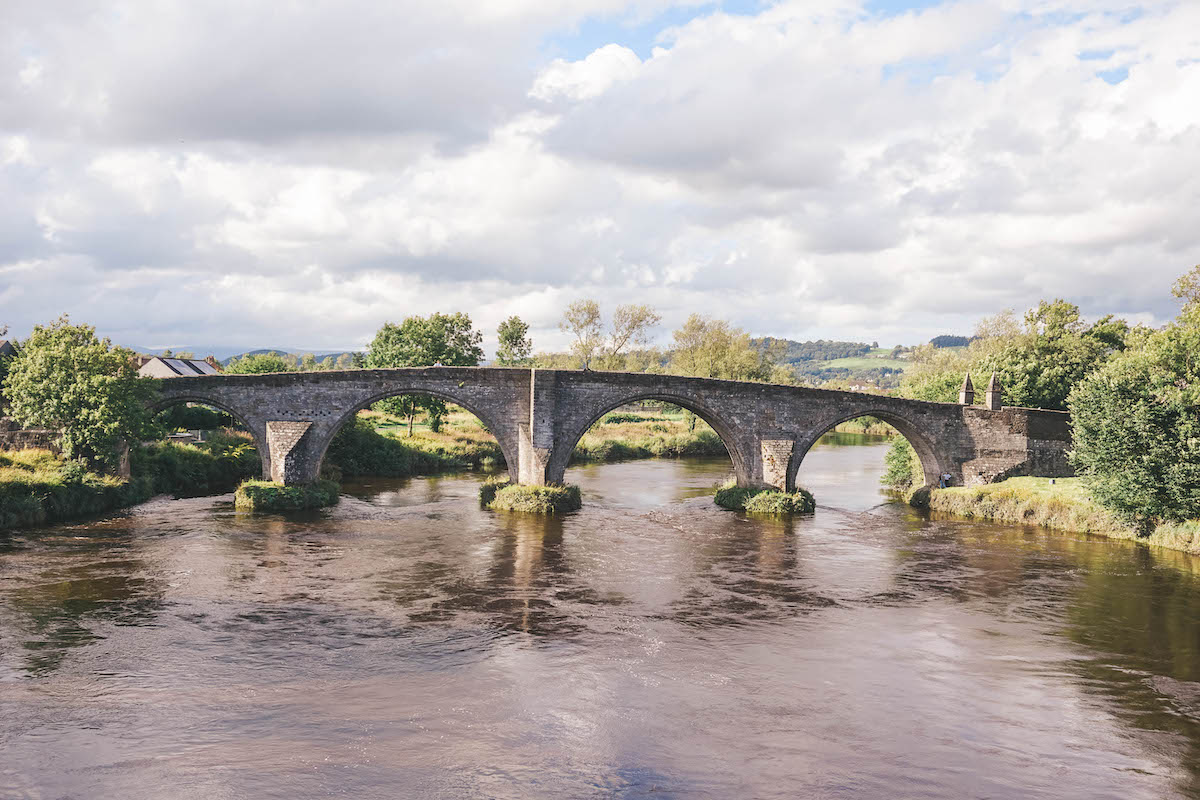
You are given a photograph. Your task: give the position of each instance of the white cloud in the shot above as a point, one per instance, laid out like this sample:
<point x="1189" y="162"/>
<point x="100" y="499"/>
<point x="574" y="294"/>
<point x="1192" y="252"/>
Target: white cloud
<point x="580" y="80"/>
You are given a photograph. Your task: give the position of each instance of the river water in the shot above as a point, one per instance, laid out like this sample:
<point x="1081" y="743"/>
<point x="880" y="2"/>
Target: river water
<point x="408" y="644"/>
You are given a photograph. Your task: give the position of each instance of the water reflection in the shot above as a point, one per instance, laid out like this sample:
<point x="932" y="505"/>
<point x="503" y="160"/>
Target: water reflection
<point x="409" y="643"/>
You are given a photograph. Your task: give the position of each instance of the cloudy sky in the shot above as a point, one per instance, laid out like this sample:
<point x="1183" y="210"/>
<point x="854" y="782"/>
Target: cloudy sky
<point x="250" y="173"/>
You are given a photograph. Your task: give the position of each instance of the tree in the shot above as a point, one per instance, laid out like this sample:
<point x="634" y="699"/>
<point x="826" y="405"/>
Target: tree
<point x="631" y="326"/>
<point x="712" y="348"/>
<point x="258" y="364"/>
<point x="448" y="340"/>
<point x="66" y="379"/>
<point x="515" y="345"/>
<point x="582" y="320"/>
<point x="1136" y="421"/>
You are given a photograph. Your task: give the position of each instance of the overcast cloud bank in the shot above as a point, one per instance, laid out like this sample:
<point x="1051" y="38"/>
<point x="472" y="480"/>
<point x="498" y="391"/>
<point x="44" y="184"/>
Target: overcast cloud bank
<point x="186" y="172"/>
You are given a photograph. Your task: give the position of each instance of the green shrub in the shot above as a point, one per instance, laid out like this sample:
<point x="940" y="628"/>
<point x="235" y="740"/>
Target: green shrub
<point x="903" y="471"/>
<point x="191" y="470"/>
<point x="618" y="418"/>
<point x="764" y="500"/>
<point x="488" y="489"/>
<point x="536" y="499"/>
<point x="269" y="497"/>
<point x="798" y="502"/>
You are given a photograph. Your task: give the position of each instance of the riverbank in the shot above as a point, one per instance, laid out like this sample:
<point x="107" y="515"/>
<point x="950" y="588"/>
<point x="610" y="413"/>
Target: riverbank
<point x="38" y="487"/>
<point x="1064" y="504"/>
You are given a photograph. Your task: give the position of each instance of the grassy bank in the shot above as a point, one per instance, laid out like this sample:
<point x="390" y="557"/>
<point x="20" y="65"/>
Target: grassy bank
<point x="365" y="447"/>
<point x="38" y="487"/>
<point x="627" y="435"/>
<point x="1064" y="504"/>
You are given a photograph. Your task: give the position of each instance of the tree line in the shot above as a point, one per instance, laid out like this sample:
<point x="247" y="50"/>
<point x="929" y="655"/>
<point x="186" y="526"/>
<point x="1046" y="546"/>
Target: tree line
<point x="1133" y="393"/>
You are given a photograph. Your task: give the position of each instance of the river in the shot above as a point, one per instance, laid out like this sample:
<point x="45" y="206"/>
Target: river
<point x="408" y="644"/>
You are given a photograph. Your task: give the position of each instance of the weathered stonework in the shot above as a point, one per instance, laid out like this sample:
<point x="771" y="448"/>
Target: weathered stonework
<point x="538" y="416"/>
<point x="776" y="457"/>
<point x="282" y="438"/>
<point x="14" y="437"/>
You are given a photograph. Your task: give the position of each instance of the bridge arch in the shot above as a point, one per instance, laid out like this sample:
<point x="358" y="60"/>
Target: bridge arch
<point x="508" y="448"/>
<point x="257" y="432"/>
<point x="934" y="459"/>
<point x="573" y="431"/>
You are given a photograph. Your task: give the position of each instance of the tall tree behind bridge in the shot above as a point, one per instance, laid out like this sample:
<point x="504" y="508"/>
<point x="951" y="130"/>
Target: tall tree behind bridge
<point x="448" y="340"/>
<point x="712" y="348"/>
<point x="630" y="328"/>
<point x="514" y="344"/>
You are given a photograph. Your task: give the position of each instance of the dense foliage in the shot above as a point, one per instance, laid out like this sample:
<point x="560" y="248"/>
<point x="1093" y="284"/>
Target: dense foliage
<point x="1038" y="361"/>
<point x="947" y="340"/>
<point x="712" y="348"/>
<point x="1137" y="422"/>
<point x="66" y="379"/>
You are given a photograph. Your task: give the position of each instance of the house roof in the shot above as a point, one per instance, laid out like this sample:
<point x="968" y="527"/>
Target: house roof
<point x="7" y="348"/>
<point x="184" y="366"/>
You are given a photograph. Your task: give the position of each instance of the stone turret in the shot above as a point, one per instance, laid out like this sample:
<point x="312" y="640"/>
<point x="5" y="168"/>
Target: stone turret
<point x="993" y="398"/>
<point x="966" y="395"/>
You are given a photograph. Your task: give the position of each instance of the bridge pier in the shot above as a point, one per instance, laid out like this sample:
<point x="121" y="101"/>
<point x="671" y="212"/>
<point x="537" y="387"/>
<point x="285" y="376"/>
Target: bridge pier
<point x="777" y="455"/>
<point x="288" y="459"/>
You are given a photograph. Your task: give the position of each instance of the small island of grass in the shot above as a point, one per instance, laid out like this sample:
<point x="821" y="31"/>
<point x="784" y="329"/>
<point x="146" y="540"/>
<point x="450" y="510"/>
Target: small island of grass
<point x="764" y="500"/>
<point x="504" y="496"/>
<point x="269" y="497"/>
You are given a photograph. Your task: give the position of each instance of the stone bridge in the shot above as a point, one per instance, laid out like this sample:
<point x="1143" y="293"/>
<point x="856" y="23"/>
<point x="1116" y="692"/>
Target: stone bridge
<point x="538" y="416"/>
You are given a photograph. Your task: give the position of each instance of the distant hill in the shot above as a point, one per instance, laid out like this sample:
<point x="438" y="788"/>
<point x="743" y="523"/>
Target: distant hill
<point x="820" y="350"/>
<point x="947" y="340"/>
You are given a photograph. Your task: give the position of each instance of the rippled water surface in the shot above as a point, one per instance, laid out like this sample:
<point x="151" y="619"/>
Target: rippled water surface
<point x="410" y="644"/>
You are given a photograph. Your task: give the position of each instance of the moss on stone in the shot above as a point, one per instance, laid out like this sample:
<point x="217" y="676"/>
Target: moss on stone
<point x="268" y="496"/>
<point x="764" y="500"/>
<point x="535" y="499"/>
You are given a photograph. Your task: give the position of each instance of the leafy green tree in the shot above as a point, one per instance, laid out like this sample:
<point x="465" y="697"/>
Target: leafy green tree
<point x="1136" y="422"/>
<point x="515" y="346"/>
<point x="66" y="379"/>
<point x="712" y="348"/>
<point x="259" y="363"/>
<point x="448" y="340"/>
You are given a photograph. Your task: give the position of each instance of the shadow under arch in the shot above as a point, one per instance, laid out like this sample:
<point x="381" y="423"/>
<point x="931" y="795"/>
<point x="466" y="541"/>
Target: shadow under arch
<point x="507" y="449"/>
<point x="562" y="454"/>
<point x="933" y="462"/>
<point x="258" y="435"/>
